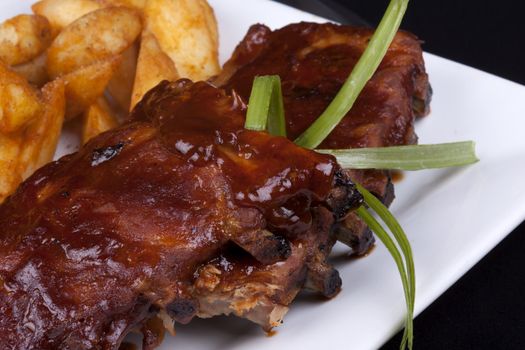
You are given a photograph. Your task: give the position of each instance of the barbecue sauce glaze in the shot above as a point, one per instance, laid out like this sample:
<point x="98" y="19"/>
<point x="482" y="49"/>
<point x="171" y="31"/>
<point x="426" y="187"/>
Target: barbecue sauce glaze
<point x="93" y="245"/>
<point x="269" y="173"/>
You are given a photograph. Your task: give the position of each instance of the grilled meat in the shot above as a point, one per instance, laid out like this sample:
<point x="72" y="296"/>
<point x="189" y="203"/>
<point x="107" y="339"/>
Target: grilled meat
<point x="313" y="61"/>
<point x="182" y="213"/>
<point x="99" y="242"/>
<point x="235" y="283"/>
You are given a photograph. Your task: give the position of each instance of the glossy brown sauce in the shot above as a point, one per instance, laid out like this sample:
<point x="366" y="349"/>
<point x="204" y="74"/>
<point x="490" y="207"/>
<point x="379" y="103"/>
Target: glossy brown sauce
<point x="397" y="176"/>
<point x="94" y="243"/>
<point x="89" y="244"/>
<point x="314" y="64"/>
<point x="269" y="173"/>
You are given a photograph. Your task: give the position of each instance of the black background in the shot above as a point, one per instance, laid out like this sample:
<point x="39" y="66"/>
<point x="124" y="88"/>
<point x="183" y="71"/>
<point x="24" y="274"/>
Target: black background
<point x="486" y="308"/>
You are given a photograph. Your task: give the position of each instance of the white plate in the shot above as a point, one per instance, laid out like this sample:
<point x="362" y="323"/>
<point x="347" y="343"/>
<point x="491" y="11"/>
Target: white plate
<point x="453" y="217"/>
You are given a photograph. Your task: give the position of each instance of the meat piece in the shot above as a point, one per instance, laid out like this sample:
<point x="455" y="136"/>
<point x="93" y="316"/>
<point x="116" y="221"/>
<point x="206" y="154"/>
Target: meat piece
<point x="182" y="212"/>
<point x="101" y="241"/>
<point x="313" y="61"/>
<point x="237" y="284"/>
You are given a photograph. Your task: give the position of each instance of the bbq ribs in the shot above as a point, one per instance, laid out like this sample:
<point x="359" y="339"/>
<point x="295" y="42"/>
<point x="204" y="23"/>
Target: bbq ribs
<point x="313" y="61"/>
<point x="181" y="212"/>
<point x="101" y="241"/>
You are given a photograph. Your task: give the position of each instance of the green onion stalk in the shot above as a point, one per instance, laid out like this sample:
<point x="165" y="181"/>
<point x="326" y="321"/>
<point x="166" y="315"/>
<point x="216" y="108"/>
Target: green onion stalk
<point x="403" y="257"/>
<point x="265" y="106"/>
<point x="413" y="157"/>
<point x="362" y="72"/>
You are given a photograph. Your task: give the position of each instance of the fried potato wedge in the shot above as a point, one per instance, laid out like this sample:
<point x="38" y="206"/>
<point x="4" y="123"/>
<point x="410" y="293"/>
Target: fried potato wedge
<point x="61" y="13"/>
<point x="153" y="66"/>
<point x="98" y="118"/>
<point x="34" y="71"/>
<point x="121" y="85"/>
<point x="187" y="32"/>
<point x="9" y="177"/>
<point x="93" y="37"/>
<point x="137" y="4"/>
<point x="19" y="101"/>
<point x="23" y="38"/>
<point x="85" y="85"/>
<point x="40" y="139"/>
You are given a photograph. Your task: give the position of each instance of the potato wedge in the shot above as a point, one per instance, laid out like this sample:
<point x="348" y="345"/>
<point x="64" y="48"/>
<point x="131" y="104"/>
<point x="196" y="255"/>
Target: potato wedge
<point x="93" y="37"/>
<point x="23" y="38"/>
<point x="41" y="137"/>
<point x="137" y="4"/>
<point x="19" y="101"/>
<point x="61" y="13"/>
<point x="211" y="22"/>
<point x="153" y="66"/>
<point x="85" y="85"/>
<point x="98" y="118"/>
<point x="34" y="71"/>
<point x="187" y="32"/>
<point x="121" y="85"/>
<point x="9" y="151"/>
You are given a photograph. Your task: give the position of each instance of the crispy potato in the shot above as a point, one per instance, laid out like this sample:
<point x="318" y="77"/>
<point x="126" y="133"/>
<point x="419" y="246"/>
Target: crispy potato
<point x="98" y="118"/>
<point x="61" y="13"/>
<point x="34" y="71"/>
<point x="211" y="23"/>
<point x="19" y="101"/>
<point x="153" y="66"/>
<point x="91" y="38"/>
<point x="85" y="85"/>
<point x="187" y="32"/>
<point x="23" y="38"/>
<point x="121" y="85"/>
<point x="40" y="139"/>
<point x="9" y="151"/>
<point x="138" y="4"/>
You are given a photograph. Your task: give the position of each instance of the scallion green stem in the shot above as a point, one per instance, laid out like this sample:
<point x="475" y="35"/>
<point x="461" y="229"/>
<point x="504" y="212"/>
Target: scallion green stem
<point x="265" y="107"/>
<point x="362" y="72"/>
<point x="416" y="157"/>
<point x="381" y="233"/>
<point x="388" y="218"/>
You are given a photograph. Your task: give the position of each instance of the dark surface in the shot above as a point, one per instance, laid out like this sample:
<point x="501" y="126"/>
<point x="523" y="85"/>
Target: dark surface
<point x="486" y="308"/>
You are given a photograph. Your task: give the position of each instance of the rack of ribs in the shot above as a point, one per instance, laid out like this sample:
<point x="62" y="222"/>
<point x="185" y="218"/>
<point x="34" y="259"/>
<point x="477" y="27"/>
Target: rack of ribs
<point x="100" y="241"/>
<point x="182" y="213"/>
<point x="313" y="61"/>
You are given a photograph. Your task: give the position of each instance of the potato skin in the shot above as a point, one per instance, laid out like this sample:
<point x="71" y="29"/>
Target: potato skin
<point x="23" y="38"/>
<point x="20" y="101"/>
<point x="93" y="37"/>
<point x="85" y="85"/>
<point x="153" y="66"/>
<point x="40" y="139"/>
<point x="137" y="4"/>
<point x="98" y="118"/>
<point x="34" y="142"/>
<point x="187" y="32"/>
<point x="61" y="13"/>
<point x="34" y="71"/>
